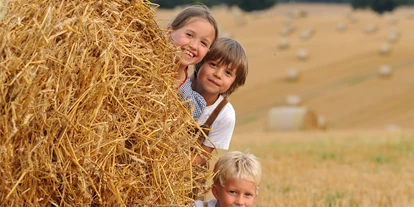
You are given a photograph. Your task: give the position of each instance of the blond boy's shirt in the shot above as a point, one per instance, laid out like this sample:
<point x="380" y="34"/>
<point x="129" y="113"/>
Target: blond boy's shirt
<point x="210" y="203"/>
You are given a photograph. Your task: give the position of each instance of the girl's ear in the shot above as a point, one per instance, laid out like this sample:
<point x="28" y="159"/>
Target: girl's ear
<point x="169" y="30"/>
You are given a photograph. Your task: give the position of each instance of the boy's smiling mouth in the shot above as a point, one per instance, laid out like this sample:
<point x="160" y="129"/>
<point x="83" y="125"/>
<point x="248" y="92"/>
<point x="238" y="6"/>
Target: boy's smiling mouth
<point x="214" y="82"/>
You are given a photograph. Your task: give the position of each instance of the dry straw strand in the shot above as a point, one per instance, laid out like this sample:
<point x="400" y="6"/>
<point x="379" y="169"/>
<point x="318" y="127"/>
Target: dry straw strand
<point x="87" y="110"/>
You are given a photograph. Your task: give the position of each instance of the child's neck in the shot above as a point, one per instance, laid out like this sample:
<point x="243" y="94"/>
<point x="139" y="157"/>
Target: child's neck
<point x="211" y="98"/>
<point x="181" y="75"/>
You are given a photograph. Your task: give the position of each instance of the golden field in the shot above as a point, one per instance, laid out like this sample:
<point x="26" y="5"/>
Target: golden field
<point x="364" y="157"/>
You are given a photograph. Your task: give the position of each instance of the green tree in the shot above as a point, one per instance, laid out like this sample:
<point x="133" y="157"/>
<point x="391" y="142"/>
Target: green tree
<point x="359" y="4"/>
<point x="250" y="5"/>
<point x="169" y="4"/>
<point x="381" y="6"/>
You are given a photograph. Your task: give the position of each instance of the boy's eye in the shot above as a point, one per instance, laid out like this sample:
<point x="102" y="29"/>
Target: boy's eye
<point x="248" y="194"/>
<point x="213" y="64"/>
<point x="232" y="192"/>
<point x="228" y="72"/>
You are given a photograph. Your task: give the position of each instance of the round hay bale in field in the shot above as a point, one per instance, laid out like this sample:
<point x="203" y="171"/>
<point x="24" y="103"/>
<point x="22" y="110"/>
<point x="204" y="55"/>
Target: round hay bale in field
<point x="385" y="49"/>
<point x="292" y="74"/>
<point x="88" y="112"/>
<point x="393" y="36"/>
<point x="322" y="123"/>
<point x="393" y="20"/>
<point x="340" y="27"/>
<point x="283" y="43"/>
<point x="352" y="19"/>
<point x="238" y="16"/>
<point x="293" y="100"/>
<point x="307" y="33"/>
<point x="285" y="31"/>
<point x="302" y="54"/>
<point x="384" y="71"/>
<point x="288" y="118"/>
<point x="288" y="21"/>
<point x="370" y="28"/>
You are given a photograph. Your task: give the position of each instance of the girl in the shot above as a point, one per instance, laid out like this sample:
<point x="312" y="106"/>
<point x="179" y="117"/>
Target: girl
<point x="194" y="30"/>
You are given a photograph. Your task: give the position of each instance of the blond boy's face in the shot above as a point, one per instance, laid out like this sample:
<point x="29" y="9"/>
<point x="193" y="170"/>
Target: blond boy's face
<point x="235" y="192"/>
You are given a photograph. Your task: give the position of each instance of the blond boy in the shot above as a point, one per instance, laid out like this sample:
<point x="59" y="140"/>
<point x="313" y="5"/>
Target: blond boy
<point x="236" y="181"/>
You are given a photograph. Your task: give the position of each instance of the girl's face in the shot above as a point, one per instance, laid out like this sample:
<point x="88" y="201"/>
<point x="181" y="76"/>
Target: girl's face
<point x="235" y="192"/>
<point x="195" y="39"/>
<point x="214" y="79"/>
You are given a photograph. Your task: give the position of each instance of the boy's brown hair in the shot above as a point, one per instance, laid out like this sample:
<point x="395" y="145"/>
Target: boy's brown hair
<point x="229" y="52"/>
<point x="196" y="10"/>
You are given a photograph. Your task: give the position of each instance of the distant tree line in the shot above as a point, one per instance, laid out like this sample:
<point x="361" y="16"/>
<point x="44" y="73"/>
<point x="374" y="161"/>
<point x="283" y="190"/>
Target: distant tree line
<point x="379" y="6"/>
<point x="245" y="5"/>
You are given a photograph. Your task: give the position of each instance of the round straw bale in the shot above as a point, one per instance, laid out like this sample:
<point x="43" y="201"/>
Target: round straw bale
<point x="371" y="28"/>
<point x="293" y="100"/>
<point x="322" y="123"/>
<point x="393" y="36"/>
<point x="304" y="35"/>
<point x="287" y="30"/>
<point x="292" y="74"/>
<point x="340" y="27"/>
<point x="238" y="15"/>
<point x="302" y="54"/>
<point x="384" y="71"/>
<point x="287" y="21"/>
<point x="286" y="118"/>
<point x="89" y="116"/>
<point x="385" y="49"/>
<point x="392" y="127"/>
<point x="352" y="19"/>
<point x="393" y="20"/>
<point x="283" y="43"/>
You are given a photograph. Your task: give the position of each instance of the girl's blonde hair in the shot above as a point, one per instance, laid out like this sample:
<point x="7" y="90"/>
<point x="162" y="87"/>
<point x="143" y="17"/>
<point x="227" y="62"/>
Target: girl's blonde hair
<point x="197" y="10"/>
<point x="228" y="52"/>
<point x="238" y="165"/>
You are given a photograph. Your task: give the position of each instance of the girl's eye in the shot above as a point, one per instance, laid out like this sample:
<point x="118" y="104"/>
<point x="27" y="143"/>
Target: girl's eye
<point x="189" y="35"/>
<point x="204" y="44"/>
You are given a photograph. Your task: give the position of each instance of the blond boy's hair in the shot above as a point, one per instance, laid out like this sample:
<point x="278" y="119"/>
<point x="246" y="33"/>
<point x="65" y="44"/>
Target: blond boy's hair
<point x="228" y="52"/>
<point x="238" y="165"/>
<point x="196" y="10"/>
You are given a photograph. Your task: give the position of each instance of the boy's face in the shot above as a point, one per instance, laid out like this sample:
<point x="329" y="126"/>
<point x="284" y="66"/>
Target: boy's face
<point x="235" y="192"/>
<point x="195" y="39"/>
<point x="214" y="79"/>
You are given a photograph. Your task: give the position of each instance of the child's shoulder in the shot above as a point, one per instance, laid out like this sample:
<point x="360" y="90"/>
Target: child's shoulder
<point x="209" y="203"/>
